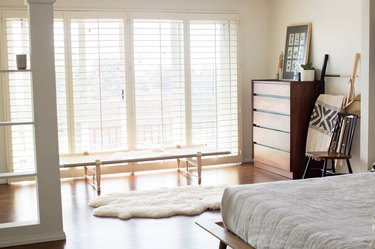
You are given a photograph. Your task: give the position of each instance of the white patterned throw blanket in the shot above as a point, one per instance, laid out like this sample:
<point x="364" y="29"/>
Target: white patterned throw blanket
<point x="322" y="122"/>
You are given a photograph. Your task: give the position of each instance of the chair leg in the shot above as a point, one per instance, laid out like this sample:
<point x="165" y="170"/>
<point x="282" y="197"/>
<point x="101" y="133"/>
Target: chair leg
<point x="324" y="170"/>
<point x="349" y="166"/>
<point x="333" y="166"/>
<point x="306" y="168"/>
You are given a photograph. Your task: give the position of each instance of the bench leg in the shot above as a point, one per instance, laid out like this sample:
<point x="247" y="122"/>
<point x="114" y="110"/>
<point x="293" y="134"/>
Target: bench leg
<point x="178" y="164"/>
<point x="85" y="172"/>
<point x="98" y="174"/>
<point x="194" y="163"/>
<point x="199" y="167"/>
<point x="132" y="168"/>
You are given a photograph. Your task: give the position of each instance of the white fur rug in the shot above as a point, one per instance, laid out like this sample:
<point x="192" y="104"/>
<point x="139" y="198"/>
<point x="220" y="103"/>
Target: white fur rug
<point x="159" y="203"/>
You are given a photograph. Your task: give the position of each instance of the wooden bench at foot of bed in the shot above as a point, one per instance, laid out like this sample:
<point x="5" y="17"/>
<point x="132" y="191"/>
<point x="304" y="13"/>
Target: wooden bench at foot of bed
<point x="184" y="155"/>
<point x="226" y="237"/>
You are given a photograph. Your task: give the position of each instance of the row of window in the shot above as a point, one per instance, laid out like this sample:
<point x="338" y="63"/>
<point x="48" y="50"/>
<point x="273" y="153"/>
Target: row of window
<point x="131" y="83"/>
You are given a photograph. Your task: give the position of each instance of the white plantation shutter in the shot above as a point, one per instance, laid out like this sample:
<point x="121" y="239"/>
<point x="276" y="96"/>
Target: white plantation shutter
<point x="214" y="104"/>
<point x="61" y="87"/>
<point x="179" y="86"/>
<point x="99" y="94"/>
<point x="21" y="148"/>
<point x="159" y="82"/>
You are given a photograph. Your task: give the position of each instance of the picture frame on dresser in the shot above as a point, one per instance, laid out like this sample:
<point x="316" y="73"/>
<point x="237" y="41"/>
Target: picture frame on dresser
<point x="297" y="47"/>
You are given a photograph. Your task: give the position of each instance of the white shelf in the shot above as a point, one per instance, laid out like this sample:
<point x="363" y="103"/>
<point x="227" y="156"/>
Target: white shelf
<point x="17" y="174"/>
<point x="8" y="123"/>
<point x="15" y="71"/>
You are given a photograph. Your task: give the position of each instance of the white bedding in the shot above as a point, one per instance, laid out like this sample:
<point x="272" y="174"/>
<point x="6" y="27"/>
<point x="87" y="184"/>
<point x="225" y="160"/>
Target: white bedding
<point x="330" y="212"/>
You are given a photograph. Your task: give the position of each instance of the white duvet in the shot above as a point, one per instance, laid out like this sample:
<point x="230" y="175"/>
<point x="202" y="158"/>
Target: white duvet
<point x="330" y="212"/>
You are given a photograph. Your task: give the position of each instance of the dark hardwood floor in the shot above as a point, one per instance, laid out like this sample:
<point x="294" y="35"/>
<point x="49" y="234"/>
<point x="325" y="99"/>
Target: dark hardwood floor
<point x="83" y="230"/>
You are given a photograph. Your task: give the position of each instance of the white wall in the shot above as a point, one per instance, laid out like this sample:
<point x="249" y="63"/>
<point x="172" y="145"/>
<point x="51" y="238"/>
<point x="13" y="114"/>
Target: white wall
<point x="368" y="86"/>
<point x="336" y="30"/>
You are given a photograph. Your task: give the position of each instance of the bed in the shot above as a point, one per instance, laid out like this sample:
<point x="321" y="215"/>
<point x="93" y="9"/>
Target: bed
<point x="329" y="212"/>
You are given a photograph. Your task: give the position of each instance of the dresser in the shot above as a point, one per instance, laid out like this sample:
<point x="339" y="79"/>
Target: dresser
<point x="281" y="115"/>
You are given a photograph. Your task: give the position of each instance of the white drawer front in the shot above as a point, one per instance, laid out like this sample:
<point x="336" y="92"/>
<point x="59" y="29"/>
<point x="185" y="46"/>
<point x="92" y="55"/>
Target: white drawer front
<point x="275" y="139"/>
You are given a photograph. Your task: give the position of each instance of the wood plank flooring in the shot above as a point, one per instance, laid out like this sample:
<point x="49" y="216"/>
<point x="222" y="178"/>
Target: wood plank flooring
<point x="83" y="230"/>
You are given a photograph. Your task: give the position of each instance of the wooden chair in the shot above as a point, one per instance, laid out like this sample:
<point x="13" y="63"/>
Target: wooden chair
<point x="340" y="145"/>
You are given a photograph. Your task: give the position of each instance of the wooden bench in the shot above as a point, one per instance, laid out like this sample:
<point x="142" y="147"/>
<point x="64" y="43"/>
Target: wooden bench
<point x="184" y="154"/>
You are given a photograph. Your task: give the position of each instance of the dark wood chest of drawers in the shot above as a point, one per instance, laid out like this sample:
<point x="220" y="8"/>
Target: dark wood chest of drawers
<point x="281" y="115"/>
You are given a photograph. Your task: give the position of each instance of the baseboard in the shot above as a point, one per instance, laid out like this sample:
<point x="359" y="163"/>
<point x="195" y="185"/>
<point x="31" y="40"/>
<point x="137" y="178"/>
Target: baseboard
<point x="31" y="239"/>
<point x="247" y="161"/>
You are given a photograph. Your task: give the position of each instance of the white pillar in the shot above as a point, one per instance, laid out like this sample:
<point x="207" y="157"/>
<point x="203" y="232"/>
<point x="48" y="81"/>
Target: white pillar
<point x="368" y="85"/>
<point x="50" y="225"/>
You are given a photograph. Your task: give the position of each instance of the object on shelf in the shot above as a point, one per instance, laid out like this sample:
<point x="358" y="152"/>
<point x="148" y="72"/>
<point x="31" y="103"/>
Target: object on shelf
<point x="14" y="71"/>
<point x="21" y="61"/>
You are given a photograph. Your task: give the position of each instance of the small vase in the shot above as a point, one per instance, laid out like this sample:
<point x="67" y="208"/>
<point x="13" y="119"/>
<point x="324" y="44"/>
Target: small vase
<point x="21" y="61"/>
<point x="308" y="75"/>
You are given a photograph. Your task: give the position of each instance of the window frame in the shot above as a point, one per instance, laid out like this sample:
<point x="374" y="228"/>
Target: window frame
<point x="128" y="17"/>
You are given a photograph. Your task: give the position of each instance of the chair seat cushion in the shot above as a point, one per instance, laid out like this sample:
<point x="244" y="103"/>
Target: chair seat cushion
<point x="322" y="155"/>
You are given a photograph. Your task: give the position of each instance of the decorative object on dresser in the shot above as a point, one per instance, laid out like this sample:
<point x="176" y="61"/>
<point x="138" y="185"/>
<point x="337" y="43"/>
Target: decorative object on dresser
<point x="281" y="115"/>
<point x="307" y="72"/>
<point x="280" y="66"/>
<point x="297" y="46"/>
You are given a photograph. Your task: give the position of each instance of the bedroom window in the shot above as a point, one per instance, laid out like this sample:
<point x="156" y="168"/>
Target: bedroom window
<point x="159" y="81"/>
<point x="19" y="109"/>
<point x="132" y="81"/>
<point x="20" y="138"/>
<point x="214" y="102"/>
<point x="98" y="85"/>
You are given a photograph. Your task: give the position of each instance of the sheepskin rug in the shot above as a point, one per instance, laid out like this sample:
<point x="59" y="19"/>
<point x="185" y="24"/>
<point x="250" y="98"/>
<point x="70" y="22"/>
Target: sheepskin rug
<point x="159" y="203"/>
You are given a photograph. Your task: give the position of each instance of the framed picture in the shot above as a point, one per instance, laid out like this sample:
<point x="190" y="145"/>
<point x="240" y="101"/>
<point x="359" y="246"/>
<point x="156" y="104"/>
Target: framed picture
<point x="297" y="47"/>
